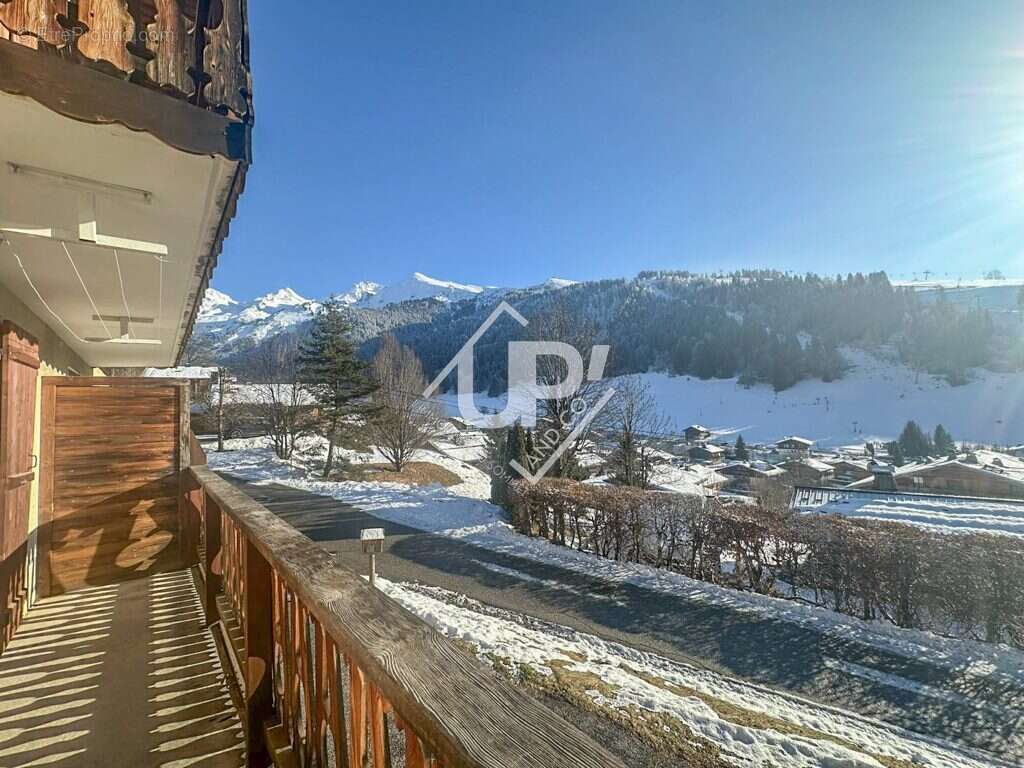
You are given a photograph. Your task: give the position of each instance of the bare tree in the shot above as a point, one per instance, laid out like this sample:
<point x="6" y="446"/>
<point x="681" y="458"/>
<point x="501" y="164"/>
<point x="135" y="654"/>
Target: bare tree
<point x="562" y="415"/>
<point x="636" y="422"/>
<point x="227" y="412"/>
<point x="405" y="421"/>
<point x="281" y="405"/>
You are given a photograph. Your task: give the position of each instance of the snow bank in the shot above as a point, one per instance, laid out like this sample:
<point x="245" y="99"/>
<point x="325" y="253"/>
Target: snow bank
<point x="796" y="732"/>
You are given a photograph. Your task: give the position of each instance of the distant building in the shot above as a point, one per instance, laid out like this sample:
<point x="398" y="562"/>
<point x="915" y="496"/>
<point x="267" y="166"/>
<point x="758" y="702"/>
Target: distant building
<point x="794" y="446"/>
<point x="849" y="470"/>
<point x="808" y="471"/>
<point x="744" y="476"/>
<point x="696" y="433"/>
<point x="980" y="473"/>
<point x="708" y="452"/>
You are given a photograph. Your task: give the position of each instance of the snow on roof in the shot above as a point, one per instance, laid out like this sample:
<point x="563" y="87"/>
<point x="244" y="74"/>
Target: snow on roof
<point x="993" y="462"/>
<point x="242" y="394"/>
<point x="182" y="372"/>
<point x="710" y="447"/>
<point x="815" y="464"/>
<point x="837" y="460"/>
<point x="760" y="467"/>
<point x="692" y="480"/>
<point x="795" y="439"/>
<point x="949" y="514"/>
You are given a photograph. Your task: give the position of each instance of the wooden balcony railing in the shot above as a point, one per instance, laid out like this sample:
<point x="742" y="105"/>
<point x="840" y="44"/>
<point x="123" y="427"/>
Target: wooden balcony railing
<point x="333" y="667"/>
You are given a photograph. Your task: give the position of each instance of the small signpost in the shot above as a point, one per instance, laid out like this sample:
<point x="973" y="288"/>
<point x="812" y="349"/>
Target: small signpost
<point x="373" y="544"/>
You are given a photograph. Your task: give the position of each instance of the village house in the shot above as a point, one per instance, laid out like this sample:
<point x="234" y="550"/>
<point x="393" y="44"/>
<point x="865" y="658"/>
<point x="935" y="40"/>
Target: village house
<point x="696" y="433"/>
<point x="807" y="471"/>
<point x="745" y="476"/>
<point x="979" y="473"/>
<point x="794" y="446"/>
<point x="849" y="470"/>
<point x="708" y="452"/>
<point x="162" y="616"/>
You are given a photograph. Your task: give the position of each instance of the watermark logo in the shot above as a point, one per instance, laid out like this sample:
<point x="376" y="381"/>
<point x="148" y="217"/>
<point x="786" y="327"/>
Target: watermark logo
<point x="525" y="393"/>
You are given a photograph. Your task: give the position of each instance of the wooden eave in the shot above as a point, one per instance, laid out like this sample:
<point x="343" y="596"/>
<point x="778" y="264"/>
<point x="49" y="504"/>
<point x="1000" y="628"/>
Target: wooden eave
<point x="83" y="93"/>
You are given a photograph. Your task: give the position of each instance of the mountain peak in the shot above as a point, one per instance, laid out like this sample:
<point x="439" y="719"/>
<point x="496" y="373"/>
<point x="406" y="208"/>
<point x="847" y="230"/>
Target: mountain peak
<point x="285" y="297"/>
<point x="360" y="291"/>
<point x="420" y="286"/>
<point x="215" y="306"/>
<point x="558" y="282"/>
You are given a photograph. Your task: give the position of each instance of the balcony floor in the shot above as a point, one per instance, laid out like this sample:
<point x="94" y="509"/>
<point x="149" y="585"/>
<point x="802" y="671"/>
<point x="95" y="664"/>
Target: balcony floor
<point x="120" y="675"/>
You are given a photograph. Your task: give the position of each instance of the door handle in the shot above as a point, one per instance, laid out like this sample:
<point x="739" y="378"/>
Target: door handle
<point x="35" y="462"/>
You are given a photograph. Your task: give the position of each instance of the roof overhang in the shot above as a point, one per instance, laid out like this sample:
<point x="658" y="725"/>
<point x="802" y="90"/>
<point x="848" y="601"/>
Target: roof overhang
<point x="112" y="230"/>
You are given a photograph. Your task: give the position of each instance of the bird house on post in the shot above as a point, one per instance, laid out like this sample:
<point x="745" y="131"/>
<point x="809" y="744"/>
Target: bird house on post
<point x="373" y="544"/>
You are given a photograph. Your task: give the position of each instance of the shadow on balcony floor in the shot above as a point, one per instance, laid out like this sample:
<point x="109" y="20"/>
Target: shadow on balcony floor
<point x="120" y="675"/>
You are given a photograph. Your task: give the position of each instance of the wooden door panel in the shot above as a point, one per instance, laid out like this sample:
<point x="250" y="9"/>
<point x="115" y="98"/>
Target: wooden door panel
<point x="113" y="481"/>
<point x="19" y="371"/>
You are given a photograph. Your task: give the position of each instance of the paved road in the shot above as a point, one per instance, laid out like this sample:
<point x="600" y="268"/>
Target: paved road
<point x="955" y="705"/>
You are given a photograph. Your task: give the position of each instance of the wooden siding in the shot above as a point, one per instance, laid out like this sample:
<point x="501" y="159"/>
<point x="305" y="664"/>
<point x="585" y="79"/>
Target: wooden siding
<point x="112" y="471"/>
<point x="962" y="481"/>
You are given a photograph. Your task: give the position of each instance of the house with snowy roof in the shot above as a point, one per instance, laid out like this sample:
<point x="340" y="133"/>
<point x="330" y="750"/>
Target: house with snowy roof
<point x="794" y="446"/>
<point x="808" y="470"/>
<point x="982" y="473"/>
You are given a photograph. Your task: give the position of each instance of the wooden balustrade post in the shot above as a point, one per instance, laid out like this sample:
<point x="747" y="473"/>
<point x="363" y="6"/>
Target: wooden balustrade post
<point x="259" y="657"/>
<point x="214" y="561"/>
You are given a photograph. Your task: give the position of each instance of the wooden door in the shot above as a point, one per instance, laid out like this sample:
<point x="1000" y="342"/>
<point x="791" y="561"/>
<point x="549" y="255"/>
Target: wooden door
<point x="112" y="460"/>
<point x="19" y="368"/>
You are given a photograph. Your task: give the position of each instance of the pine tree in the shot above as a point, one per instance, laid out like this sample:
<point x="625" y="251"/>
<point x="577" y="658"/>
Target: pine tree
<point x="896" y="454"/>
<point x="944" y="441"/>
<point x="914" y="442"/>
<point x="741" y="449"/>
<point x="337" y="379"/>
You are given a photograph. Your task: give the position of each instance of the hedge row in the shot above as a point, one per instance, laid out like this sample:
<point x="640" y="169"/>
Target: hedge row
<point x="965" y="585"/>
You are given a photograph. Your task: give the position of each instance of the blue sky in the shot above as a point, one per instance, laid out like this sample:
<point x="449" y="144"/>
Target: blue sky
<point x="507" y="142"/>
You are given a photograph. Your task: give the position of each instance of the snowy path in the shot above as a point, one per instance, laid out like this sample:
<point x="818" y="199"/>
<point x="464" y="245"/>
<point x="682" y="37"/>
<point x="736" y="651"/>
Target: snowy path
<point x="750" y="724"/>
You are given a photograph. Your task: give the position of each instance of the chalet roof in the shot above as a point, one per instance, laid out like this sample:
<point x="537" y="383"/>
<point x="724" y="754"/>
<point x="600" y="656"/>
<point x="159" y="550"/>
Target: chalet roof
<point x="844" y="460"/>
<point x="758" y="468"/>
<point x="710" y="448"/>
<point x="815" y="464"/>
<point x="982" y="461"/>
<point x="795" y="439"/>
<point x="946" y="513"/>
<point x="197" y="372"/>
<point x="693" y="479"/>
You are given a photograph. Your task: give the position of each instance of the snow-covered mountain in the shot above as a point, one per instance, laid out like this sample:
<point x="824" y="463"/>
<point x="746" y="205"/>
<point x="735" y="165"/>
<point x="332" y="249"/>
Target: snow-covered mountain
<point x="420" y="286"/>
<point x="229" y="323"/>
<point x="216" y="306"/>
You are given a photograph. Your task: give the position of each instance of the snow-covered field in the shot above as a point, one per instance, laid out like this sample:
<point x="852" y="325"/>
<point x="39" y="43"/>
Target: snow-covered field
<point x="871" y="402"/>
<point x="751" y="725"/>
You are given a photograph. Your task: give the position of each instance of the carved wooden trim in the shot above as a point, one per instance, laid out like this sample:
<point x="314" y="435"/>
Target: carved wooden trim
<point x="225" y="61"/>
<point x="85" y="94"/>
<point x="110" y="29"/>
